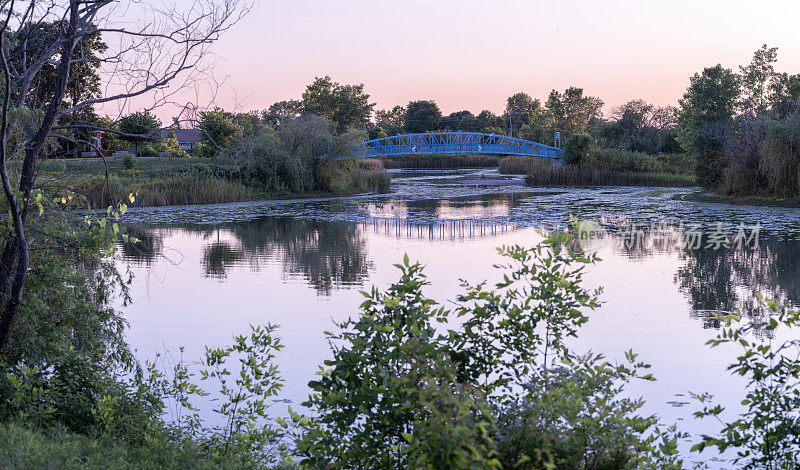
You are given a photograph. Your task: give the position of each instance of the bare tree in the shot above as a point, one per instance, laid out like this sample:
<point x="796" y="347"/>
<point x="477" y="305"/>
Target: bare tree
<point x="156" y="52"/>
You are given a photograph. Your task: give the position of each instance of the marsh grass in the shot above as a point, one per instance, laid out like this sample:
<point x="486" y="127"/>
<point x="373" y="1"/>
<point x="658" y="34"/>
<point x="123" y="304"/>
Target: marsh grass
<point x="523" y="165"/>
<point x="23" y="447"/>
<point x="353" y="176"/>
<point x="441" y="162"/>
<point x="577" y="176"/>
<point x="606" y="167"/>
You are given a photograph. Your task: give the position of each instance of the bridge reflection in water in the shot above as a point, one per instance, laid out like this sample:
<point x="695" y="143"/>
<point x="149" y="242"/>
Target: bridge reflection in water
<point x="439" y="229"/>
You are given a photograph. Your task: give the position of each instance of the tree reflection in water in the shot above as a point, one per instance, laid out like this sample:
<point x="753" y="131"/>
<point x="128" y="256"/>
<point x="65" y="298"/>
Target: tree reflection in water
<point x="729" y="278"/>
<point x="721" y="279"/>
<point x="327" y="254"/>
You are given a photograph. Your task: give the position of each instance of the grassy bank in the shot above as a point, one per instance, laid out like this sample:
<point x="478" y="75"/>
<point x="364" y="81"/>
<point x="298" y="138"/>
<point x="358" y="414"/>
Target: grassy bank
<point x="576" y="176"/>
<point x="353" y="176"/>
<point x="773" y="201"/>
<point x="606" y="167"/>
<point x="24" y="447"/>
<point x="442" y="162"/>
<point x="180" y="181"/>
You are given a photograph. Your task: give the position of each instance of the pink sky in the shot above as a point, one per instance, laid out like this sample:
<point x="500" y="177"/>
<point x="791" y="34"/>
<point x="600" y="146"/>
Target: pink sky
<point x="473" y="54"/>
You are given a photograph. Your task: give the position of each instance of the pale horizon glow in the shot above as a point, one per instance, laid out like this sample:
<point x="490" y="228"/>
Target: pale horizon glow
<point x="473" y="54"/>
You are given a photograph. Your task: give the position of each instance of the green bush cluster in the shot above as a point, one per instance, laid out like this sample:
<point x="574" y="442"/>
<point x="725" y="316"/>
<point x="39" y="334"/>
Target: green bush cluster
<point x="491" y="384"/>
<point x="353" y="176"/>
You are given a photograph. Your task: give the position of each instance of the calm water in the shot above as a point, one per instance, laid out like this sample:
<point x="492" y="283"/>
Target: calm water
<point x="205" y="273"/>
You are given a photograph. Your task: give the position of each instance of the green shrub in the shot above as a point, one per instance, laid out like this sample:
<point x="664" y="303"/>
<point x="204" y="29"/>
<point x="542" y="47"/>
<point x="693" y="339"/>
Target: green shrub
<point x="576" y="147"/>
<point x="413" y="385"/>
<point x="148" y="152"/>
<point x="128" y="161"/>
<point x="766" y="433"/>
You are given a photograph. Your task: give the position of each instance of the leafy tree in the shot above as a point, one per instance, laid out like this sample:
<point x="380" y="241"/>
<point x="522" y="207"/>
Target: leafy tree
<point x="757" y="79"/>
<point x="638" y="126"/>
<point x="572" y="112"/>
<point x="217" y="131"/>
<point x="706" y="114"/>
<point x="392" y="121"/>
<point x="539" y="128"/>
<point x="139" y="127"/>
<point x="519" y="109"/>
<point x="422" y="116"/>
<point x="346" y="105"/>
<point x="459" y="121"/>
<point x="486" y="119"/>
<point x="576" y="147"/>
<point x="767" y="432"/>
<point x="287" y="108"/>
<point x="784" y="93"/>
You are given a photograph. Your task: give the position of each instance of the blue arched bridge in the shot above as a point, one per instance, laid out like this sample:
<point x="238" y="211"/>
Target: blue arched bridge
<point x="434" y="143"/>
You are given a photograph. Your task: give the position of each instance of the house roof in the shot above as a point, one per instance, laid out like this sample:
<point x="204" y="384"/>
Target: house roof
<point x="184" y="136"/>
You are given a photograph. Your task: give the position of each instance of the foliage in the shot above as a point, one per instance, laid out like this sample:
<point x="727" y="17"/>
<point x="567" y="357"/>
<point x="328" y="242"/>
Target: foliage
<point x="640" y="127"/>
<point x="128" y="161"/>
<point x="576" y="148"/>
<point x="364" y="402"/>
<point x="347" y="106"/>
<point x="572" y="112"/>
<point x="516" y="165"/>
<point x="139" y="127"/>
<point x="706" y="112"/>
<point x="766" y="433"/>
<point x="584" y="390"/>
<point x="421" y="116"/>
<point x="391" y="121"/>
<point x="583" y="176"/>
<point x="217" y="131"/>
<point x="520" y="108"/>
<point x="413" y="384"/>
<point x="351" y="176"/>
<point x="25" y="447"/>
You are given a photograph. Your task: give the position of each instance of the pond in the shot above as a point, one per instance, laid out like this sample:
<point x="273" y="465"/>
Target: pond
<point x="205" y="273"/>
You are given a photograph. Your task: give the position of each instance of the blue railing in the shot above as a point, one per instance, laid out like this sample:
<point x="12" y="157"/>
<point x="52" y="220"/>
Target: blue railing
<point x="434" y="143"/>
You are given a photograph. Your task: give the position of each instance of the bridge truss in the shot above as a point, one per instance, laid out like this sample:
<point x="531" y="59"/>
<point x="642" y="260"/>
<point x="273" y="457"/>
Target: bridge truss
<point x="434" y="143"/>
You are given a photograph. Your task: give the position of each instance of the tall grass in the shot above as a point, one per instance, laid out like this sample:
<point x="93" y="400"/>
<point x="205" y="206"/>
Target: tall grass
<point x="523" y="165"/>
<point x="91" y="191"/>
<point x="578" y="176"/>
<point x="606" y="167"/>
<point x="441" y="162"/>
<point x="353" y="176"/>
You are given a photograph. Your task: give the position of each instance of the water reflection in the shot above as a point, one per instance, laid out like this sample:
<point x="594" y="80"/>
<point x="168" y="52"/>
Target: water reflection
<point x="717" y="275"/>
<point x="728" y="278"/>
<point x="327" y="254"/>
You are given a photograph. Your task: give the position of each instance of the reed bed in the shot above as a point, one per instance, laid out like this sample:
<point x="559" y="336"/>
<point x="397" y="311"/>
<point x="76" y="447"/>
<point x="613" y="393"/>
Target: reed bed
<point x="577" y="176"/>
<point x="441" y="162"/>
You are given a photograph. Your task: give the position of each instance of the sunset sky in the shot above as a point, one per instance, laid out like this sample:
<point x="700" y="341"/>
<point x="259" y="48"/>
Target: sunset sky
<point x="472" y="54"/>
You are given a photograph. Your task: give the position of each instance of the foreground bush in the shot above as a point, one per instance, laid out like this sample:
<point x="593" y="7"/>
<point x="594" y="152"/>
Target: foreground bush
<point x="412" y="384"/>
<point x="767" y="433"/>
<point x="24" y="447"/>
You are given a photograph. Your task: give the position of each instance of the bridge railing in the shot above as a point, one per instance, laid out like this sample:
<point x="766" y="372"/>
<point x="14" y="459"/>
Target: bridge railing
<point x="449" y="142"/>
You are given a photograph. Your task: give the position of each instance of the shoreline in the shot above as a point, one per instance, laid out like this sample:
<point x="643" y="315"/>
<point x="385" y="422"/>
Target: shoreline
<point x="708" y="196"/>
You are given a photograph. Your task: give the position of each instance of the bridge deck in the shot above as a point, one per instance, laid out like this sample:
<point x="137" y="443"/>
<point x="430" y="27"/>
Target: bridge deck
<point x="437" y="143"/>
